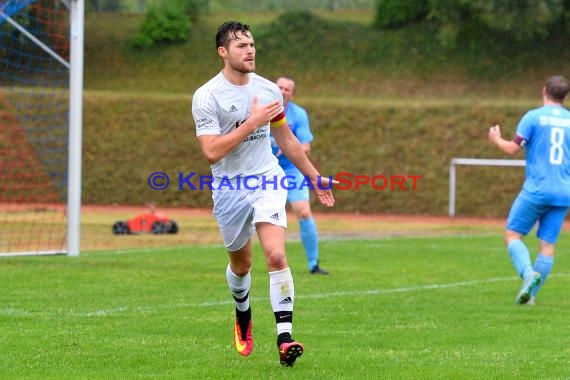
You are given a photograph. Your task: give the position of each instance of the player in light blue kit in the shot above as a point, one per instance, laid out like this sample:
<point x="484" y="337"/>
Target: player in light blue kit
<point x="545" y="197"/>
<point x="298" y="196"/>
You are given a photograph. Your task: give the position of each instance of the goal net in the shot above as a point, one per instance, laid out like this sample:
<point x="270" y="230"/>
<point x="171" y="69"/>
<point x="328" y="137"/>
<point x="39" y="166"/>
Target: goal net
<point x="34" y="125"/>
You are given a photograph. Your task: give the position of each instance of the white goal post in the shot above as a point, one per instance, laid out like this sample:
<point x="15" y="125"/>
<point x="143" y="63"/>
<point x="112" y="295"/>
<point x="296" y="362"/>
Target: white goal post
<point x="473" y="162"/>
<point x="77" y="32"/>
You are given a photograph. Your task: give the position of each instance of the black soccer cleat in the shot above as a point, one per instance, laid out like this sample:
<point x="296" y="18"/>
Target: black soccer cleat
<point x="318" y="270"/>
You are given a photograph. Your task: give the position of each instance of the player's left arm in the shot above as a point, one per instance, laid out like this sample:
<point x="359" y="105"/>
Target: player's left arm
<point x="290" y="145"/>
<point x="306" y="148"/>
<point x="293" y="149"/>
<point x="510" y="147"/>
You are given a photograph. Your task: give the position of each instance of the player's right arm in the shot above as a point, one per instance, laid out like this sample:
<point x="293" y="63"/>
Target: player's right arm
<point x="215" y="147"/>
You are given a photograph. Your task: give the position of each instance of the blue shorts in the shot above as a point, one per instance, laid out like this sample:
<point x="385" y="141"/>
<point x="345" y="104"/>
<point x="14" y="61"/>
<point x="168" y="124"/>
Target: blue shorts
<point x="297" y="192"/>
<point x="524" y="215"/>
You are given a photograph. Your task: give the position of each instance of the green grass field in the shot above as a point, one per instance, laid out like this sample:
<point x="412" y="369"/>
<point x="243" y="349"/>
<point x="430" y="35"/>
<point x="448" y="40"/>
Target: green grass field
<point x="393" y="308"/>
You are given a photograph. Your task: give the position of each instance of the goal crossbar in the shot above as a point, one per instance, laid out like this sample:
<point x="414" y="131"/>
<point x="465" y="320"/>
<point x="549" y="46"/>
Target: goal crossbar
<point x="473" y="162"/>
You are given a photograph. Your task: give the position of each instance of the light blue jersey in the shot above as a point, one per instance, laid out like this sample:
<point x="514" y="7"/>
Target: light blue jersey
<point x="546" y="135"/>
<point x="298" y="121"/>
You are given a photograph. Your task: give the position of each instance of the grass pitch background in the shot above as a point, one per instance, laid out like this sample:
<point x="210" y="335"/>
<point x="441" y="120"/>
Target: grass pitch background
<point x="393" y="308"/>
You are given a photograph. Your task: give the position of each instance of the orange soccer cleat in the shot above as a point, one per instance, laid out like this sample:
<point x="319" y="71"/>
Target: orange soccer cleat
<point x="243" y="346"/>
<point x="289" y="352"/>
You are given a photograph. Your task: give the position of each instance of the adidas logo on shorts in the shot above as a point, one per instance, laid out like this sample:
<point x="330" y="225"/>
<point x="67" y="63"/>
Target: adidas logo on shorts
<point x="275" y="216"/>
<point x="233" y="108"/>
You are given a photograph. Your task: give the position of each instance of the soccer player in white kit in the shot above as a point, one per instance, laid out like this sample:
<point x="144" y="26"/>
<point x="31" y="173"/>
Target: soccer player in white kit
<point x="233" y="112"/>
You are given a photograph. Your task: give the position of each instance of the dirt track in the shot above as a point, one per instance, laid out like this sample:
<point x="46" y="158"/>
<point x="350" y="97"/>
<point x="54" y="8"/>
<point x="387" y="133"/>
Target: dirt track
<point x="197" y="226"/>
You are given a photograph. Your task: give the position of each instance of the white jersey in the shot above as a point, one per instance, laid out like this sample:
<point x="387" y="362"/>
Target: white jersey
<point x="218" y="107"/>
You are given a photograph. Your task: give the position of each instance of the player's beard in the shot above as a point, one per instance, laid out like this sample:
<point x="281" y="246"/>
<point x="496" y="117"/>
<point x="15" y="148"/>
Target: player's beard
<point x="244" y="67"/>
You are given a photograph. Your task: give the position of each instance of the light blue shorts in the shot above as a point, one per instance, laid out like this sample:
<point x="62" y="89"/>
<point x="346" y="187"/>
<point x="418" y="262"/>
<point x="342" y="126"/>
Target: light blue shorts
<point x="297" y="191"/>
<point x="524" y="215"/>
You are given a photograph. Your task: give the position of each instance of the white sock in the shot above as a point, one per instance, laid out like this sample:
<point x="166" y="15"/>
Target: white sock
<point x="282" y="295"/>
<point x="239" y="287"/>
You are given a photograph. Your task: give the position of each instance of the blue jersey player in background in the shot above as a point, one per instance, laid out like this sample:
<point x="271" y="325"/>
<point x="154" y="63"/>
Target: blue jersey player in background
<point x="298" y="196"/>
<point x="545" y="196"/>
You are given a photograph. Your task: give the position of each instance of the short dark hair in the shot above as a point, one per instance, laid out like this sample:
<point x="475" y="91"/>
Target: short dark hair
<point x="557" y="88"/>
<point x="227" y="29"/>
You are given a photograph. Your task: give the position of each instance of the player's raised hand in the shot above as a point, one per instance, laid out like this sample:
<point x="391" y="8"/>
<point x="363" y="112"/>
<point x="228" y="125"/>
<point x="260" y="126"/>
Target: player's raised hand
<point x="494" y="133"/>
<point x="263" y="114"/>
<point x="323" y="190"/>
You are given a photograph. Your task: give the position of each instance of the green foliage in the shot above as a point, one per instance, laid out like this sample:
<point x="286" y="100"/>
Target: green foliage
<point x="262" y="6"/>
<point x="308" y="42"/>
<point x="289" y="33"/>
<point x="165" y="24"/>
<point x="191" y="8"/>
<point x="520" y="20"/>
<point x="399" y="13"/>
<point x="460" y="21"/>
<point x="104" y="5"/>
<point x="313" y="48"/>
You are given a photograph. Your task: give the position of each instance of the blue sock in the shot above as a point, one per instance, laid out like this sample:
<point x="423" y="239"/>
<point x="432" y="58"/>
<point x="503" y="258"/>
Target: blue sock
<point x="520" y="257"/>
<point x="543" y="265"/>
<point x="310" y="239"/>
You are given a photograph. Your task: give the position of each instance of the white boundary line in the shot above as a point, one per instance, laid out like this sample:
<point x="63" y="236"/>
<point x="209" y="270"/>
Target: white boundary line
<point x="12" y="312"/>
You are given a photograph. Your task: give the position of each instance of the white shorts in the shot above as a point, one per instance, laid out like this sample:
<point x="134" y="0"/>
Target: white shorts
<point x="237" y="211"/>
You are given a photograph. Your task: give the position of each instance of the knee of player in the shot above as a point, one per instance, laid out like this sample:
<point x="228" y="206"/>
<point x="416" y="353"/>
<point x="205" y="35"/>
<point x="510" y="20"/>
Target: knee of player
<point x="302" y="210"/>
<point x="546" y="248"/>
<point x="276" y="259"/>
<point x="305" y="214"/>
<point x="241" y="267"/>
<point x="511" y="236"/>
